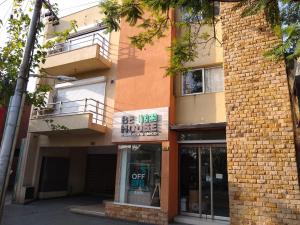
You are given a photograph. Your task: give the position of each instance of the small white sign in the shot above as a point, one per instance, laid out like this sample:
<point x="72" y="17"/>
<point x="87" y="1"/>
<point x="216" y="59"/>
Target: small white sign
<point x="207" y="178"/>
<point x="219" y="176"/>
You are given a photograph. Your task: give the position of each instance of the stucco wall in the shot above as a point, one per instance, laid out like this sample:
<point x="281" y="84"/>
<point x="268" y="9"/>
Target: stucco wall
<point x="87" y="18"/>
<point x="207" y="107"/>
<point x="141" y="81"/>
<point x="201" y="108"/>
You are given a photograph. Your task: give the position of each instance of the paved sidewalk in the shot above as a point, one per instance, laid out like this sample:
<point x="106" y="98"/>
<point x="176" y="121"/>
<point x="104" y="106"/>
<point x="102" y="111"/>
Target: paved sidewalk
<point x="53" y="212"/>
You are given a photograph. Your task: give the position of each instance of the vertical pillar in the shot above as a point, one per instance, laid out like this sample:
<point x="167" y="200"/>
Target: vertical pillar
<point x="169" y="177"/>
<point x="263" y="177"/>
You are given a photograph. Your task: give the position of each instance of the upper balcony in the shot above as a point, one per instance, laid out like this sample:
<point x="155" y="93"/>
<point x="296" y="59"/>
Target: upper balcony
<point x="78" y="55"/>
<point x="83" y="116"/>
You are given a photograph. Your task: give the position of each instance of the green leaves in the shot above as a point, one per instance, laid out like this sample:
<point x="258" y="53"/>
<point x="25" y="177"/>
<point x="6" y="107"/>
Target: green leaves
<point x="182" y="51"/>
<point x="156" y="23"/>
<point x="196" y="15"/>
<point x="112" y="12"/>
<point x="54" y="126"/>
<point x="154" y="29"/>
<point x="132" y="11"/>
<point x="37" y="98"/>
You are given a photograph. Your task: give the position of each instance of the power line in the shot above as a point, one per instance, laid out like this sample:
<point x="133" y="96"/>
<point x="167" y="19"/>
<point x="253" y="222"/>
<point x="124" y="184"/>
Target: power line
<point x="26" y="5"/>
<point x="78" y="6"/>
<point x="3" y="2"/>
<point x="6" y="17"/>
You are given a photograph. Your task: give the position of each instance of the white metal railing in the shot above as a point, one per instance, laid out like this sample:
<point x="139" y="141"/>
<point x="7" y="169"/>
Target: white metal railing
<point x="81" y="106"/>
<point x="80" y="42"/>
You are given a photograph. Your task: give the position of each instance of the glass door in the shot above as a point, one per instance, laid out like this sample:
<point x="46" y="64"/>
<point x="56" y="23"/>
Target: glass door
<point x="189" y="180"/>
<point x="205" y="184"/>
<point x="220" y="181"/>
<point x="204" y="181"/>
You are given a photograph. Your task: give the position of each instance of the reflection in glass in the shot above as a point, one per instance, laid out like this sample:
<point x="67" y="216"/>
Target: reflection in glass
<point x="189" y="176"/>
<point x="140" y="174"/>
<point x="205" y="182"/>
<point x="220" y="182"/>
<point x="209" y="195"/>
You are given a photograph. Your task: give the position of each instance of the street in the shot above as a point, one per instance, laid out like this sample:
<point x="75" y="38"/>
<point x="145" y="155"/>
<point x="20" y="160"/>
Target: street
<point x="52" y="212"/>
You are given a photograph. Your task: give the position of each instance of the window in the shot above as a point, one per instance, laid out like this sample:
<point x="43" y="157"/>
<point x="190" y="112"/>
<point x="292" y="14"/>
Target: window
<point x="191" y="16"/>
<point x="140" y="174"/>
<point x="214" y="79"/>
<point x="193" y="82"/>
<point x="203" y="81"/>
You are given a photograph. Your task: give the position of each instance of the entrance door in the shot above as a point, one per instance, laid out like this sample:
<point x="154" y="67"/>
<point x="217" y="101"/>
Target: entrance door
<point x="203" y="181"/>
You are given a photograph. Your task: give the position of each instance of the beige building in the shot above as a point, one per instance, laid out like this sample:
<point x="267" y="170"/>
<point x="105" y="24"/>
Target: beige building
<point x="159" y="148"/>
<point x="71" y="136"/>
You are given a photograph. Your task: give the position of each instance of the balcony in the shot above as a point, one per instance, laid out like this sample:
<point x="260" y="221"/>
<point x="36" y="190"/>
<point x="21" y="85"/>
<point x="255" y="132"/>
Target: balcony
<point x="84" y="116"/>
<point x="77" y="55"/>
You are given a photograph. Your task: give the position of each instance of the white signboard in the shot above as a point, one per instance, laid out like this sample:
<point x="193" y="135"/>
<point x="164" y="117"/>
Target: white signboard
<point x="141" y="125"/>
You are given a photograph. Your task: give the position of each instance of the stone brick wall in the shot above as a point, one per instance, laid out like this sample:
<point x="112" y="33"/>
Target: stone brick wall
<point x="136" y="213"/>
<point x="263" y="179"/>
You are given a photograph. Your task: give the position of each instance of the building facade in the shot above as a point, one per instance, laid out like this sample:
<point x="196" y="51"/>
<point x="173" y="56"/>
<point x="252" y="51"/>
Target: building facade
<point x="197" y="147"/>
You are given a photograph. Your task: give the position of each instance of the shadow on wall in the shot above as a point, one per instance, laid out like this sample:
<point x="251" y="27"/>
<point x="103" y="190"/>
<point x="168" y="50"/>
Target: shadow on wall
<point x="128" y="62"/>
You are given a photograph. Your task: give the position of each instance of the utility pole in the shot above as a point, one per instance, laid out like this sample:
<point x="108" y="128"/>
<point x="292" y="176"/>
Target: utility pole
<point x="16" y="105"/>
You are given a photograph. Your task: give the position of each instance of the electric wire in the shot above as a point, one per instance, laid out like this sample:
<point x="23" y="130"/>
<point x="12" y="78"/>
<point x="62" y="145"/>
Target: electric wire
<point x="3" y="2"/>
<point x="88" y="3"/>
<point x="6" y="17"/>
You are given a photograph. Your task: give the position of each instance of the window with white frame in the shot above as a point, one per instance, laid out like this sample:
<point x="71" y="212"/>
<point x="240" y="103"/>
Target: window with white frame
<point x="204" y="80"/>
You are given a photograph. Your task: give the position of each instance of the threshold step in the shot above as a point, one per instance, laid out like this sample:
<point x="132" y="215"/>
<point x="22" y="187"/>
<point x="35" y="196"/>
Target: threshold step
<point x="198" y="221"/>
<point x="92" y="210"/>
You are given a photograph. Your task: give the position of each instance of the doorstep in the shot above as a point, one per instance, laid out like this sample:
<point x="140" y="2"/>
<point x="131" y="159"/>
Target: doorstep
<point x="199" y="221"/>
<point x="91" y="210"/>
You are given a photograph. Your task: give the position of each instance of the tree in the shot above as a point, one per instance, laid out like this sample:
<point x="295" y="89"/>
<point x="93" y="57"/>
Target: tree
<point x="12" y="52"/>
<point x="196" y="15"/>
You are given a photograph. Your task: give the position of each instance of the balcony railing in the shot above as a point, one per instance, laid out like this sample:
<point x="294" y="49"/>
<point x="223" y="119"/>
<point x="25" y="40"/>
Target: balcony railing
<point x="80" y="42"/>
<point x="63" y="108"/>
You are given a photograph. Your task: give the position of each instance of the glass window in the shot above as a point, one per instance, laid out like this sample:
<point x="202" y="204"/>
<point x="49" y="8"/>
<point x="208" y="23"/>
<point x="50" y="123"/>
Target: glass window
<point x="214" y="80"/>
<point x="140" y="174"/>
<point x="203" y="81"/>
<point x="190" y="15"/>
<point x="193" y="82"/>
<point x="202" y="135"/>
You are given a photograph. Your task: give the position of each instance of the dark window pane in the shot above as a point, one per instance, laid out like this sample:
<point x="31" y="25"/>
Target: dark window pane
<point x="193" y="82"/>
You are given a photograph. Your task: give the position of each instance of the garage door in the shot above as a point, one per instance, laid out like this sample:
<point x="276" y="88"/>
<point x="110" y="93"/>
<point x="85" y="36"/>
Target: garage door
<point x="54" y="174"/>
<point x="101" y="174"/>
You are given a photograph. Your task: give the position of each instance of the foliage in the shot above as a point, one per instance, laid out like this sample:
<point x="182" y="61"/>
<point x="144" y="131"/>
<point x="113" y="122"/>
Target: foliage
<point x="285" y="21"/>
<point x="12" y="52"/>
<point x="195" y="16"/>
<point x="54" y="126"/>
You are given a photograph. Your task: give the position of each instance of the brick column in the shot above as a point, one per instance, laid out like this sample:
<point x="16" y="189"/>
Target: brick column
<point x="263" y="179"/>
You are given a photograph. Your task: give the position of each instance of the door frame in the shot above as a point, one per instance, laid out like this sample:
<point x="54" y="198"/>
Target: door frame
<point x="209" y="144"/>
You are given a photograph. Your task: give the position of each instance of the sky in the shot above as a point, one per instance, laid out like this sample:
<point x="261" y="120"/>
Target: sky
<point x="65" y="7"/>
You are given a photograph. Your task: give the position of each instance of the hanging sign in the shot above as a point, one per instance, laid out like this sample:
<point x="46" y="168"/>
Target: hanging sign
<point x="141" y="125"/>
